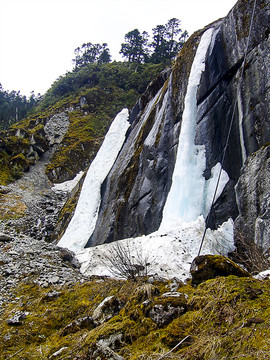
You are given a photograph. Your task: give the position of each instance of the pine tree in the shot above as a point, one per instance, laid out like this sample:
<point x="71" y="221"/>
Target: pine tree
<point x="91" y="53"/>
<point x="135" y="48"/>
<point x="167" y="41"/>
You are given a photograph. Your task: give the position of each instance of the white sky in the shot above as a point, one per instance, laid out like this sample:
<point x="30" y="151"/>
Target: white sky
<point x="38" y="37"/>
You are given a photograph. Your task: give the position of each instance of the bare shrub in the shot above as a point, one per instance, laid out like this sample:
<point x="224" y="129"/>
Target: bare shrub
<point x="124" y="263"/>
<point x="251" y="255"/>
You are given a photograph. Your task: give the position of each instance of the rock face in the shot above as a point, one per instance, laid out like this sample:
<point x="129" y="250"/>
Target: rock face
<point x="253" y="199"/>
<point x="134" y="193"/>
<point x="56" y="128"/>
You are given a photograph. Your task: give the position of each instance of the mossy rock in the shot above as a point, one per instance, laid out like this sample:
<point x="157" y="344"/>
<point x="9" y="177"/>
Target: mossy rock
<point x="20" y="162"/>
<point x="205" y="267"/>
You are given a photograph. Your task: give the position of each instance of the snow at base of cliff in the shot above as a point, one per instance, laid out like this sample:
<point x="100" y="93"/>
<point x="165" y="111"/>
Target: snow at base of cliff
<point x="169" y="253"/>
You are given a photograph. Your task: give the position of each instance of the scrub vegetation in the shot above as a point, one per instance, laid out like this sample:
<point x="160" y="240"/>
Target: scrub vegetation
<point x="91" y="96"/>
<point x="222" y="318"/>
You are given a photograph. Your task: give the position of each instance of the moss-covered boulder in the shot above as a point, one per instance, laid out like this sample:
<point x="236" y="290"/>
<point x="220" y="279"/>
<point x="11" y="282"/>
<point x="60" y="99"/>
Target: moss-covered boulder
<point x="205" y="267"/>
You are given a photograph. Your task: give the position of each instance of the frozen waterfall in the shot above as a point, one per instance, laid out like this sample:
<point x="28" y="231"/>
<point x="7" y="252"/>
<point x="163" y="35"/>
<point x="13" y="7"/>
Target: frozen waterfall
<point x="190" y="195"/>
<point x="172" y="248"/>
<point x="84" y="219"/>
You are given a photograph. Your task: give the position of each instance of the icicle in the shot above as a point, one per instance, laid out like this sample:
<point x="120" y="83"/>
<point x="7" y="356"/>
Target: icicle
<point x="240" y="124"/>
<point x="84" y="219"/>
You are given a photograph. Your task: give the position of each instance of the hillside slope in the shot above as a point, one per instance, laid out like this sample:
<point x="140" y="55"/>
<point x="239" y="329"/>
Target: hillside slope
<point x="61" y="139"/>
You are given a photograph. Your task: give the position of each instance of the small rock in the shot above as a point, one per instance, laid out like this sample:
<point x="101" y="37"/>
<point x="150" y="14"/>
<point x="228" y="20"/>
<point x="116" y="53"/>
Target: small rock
<point x="82" y="323"/>
<point x="17" y="318"/>
<point x="104" y="352"/>
<point x="163" y="315"/>
<point x="5" y="238"/>
<point x="53" y="279"/>
<point x="4" y="190"/>
<point x="51" y="295"/>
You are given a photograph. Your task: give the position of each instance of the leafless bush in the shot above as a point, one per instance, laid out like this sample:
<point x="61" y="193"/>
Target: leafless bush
<point x="251" y="255"/>
<point x="124" y="263"/>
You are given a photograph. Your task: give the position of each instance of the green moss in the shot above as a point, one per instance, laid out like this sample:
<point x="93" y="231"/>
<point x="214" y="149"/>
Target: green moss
<point x="225" y="318"/>
<point x="107" y="88"/>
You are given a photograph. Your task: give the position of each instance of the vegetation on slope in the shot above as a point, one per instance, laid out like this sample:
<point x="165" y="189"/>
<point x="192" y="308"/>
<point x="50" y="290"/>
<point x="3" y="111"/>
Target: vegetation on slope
<point x="222" y="318"/>
<point x="14" y="106"/>
<point x="91" y="97"/>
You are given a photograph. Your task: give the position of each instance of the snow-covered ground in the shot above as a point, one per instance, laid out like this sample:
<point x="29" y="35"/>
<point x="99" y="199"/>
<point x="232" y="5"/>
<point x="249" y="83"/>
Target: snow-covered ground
<point x="171" y="249"/>
<point x="169" y="253"/>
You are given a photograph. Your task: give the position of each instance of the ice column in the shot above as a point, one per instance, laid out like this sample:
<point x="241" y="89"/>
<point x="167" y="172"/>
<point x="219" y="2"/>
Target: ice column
<point x="240" y="124"/>
<point x="84" y="219"/>
<point x="189" y="196"/>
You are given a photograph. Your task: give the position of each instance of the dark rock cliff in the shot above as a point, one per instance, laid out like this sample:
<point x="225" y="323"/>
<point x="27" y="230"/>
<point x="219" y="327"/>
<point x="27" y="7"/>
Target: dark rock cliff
<point x="134" y="193"/>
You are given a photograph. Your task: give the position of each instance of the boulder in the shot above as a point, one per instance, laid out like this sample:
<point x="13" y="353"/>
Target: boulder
<point x="205" y="267"/>
<point x="69" y="257"/>
<point x="56" y="128"/>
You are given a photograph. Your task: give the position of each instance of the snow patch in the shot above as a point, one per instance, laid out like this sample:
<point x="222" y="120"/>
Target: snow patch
<point x="68" y="186"/>
<point x="84" y="219"/>
<point x="263" y="275"/>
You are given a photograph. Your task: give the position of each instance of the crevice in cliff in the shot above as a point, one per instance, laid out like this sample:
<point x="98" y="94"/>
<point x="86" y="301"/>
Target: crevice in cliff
<point x="227" y="77"/>
<point x="140" y="199"/>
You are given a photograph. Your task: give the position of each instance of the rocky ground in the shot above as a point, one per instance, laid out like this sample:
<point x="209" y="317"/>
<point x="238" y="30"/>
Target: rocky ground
<point x="24" y="259"/>
<point x="29" y="205"/>
<point x="28" y="213"/>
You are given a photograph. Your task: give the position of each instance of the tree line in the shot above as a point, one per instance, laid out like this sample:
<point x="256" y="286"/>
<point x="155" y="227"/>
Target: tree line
<point x="166" y="42"/>
<point x="137" y="48"/>
<point x="14" y="106"/>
